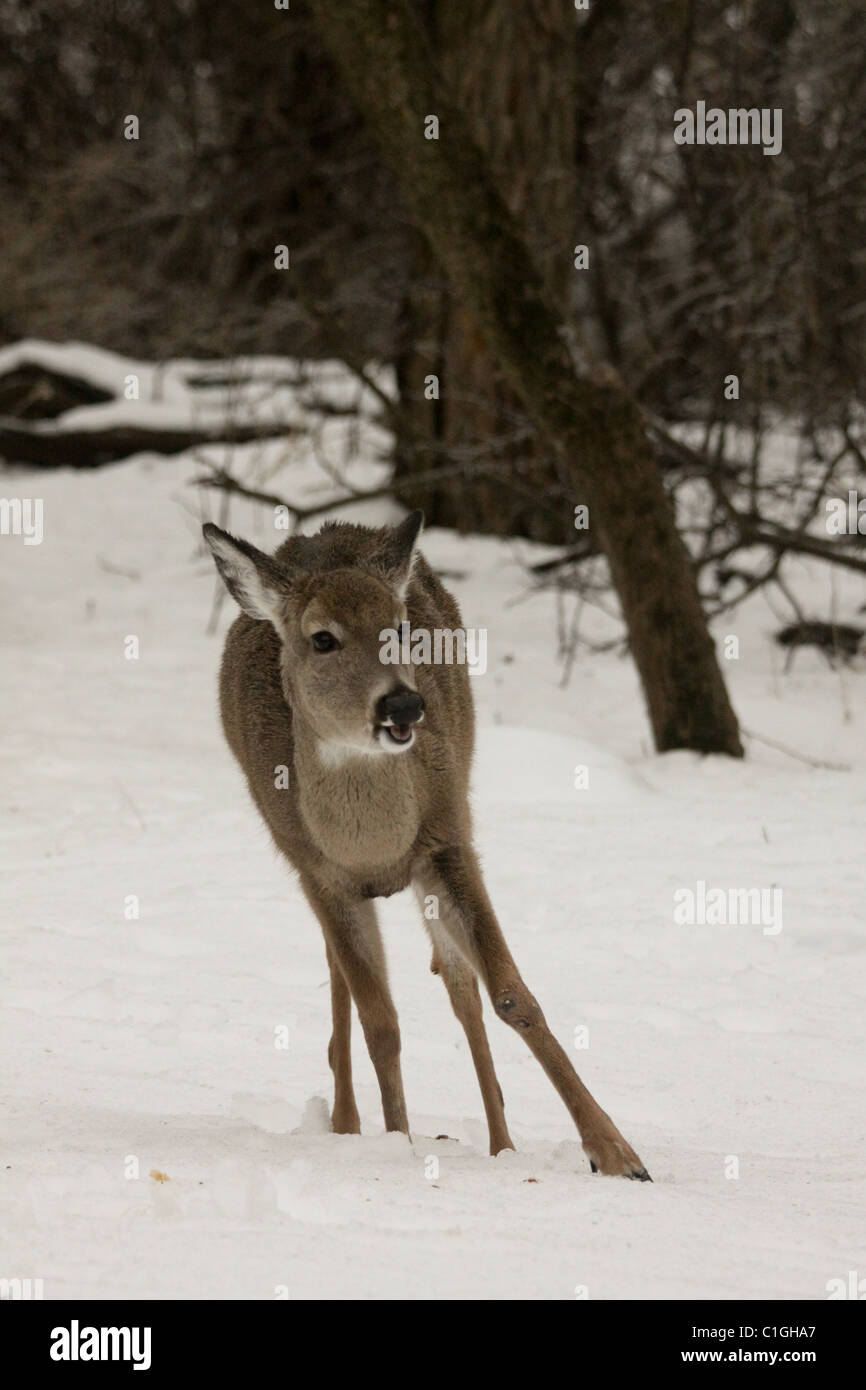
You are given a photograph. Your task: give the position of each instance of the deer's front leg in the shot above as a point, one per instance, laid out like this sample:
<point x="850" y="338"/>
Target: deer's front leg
<point x="472" y="923"/>
<point x="344" y="1117"/>
<point x="352" y="937"/>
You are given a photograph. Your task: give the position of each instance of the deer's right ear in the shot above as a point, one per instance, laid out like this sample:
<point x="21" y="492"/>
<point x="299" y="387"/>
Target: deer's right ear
<point x="251" y="577"/>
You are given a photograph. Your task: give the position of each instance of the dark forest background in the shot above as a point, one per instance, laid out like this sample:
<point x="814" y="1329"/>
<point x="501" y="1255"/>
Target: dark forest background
<point x="702" y="261"/>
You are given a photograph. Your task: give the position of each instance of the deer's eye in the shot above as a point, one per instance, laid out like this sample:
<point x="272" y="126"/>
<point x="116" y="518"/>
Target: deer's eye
<point x="324" y="642"/>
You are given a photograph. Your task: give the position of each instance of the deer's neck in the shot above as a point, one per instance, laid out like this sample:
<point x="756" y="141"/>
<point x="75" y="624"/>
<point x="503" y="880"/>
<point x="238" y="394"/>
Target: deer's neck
<point x="361" y="810"/>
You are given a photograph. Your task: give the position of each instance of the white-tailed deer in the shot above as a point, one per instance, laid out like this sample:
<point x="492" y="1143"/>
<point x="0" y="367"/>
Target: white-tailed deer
<point x="378" y="760"/>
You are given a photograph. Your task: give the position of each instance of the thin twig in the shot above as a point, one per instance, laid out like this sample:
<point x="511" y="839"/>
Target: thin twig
<point x="792" y="752"/>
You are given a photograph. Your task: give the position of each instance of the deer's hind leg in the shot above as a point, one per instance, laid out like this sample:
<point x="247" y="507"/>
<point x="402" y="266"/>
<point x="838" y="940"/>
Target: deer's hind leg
<point x="344" y="1116"/>
<point x="454" y="877"/>
<point x="461" y="983"/>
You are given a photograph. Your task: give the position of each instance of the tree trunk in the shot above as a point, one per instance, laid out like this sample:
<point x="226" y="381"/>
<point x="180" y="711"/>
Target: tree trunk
<point x="510" y="69"/>
<point x="594" y="429"/>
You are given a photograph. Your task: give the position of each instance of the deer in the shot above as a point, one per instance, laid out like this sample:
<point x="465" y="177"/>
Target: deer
<point x="375" y="799"/>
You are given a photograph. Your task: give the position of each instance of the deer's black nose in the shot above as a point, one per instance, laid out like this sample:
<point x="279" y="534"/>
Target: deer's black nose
<point x="401" y="706"/>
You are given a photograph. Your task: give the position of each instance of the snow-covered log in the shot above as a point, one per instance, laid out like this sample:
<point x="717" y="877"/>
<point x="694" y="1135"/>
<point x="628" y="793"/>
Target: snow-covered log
<point x="53" y="444"/>
<point x="71" y="405"/>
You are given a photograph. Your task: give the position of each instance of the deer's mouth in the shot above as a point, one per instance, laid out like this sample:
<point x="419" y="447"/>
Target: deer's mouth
<point x="395" y="738"/>
<point x="398" y="733"/>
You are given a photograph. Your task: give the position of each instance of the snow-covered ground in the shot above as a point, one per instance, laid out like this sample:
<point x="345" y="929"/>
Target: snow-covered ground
<point x="730" y="1056"/>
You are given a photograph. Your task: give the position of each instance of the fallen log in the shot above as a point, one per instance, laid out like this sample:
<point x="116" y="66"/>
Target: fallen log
<point x="50" y="445"/>
<point x="31" y="391"/>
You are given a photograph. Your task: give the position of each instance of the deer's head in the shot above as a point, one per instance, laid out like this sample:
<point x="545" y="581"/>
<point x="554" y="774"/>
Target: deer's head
<point x="329" y="622"/>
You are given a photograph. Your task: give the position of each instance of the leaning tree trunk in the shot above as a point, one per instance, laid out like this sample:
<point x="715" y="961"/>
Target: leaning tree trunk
<point x="593" y="428"/>
<point x="510" y="69"/>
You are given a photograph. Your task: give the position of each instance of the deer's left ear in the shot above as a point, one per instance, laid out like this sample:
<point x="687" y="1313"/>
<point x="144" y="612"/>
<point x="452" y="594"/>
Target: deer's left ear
<point x="395" y="558"/>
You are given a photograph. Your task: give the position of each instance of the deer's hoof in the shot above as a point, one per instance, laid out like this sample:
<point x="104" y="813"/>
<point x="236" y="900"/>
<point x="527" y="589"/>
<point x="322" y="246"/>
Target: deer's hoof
<point x="345" y="1121"/>
<point x="616" y="1159"/>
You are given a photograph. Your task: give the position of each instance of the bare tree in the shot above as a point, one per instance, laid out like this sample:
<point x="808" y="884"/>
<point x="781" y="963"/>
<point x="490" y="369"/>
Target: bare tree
<point x="595" y="430"/>
<point x="512" y="71"/>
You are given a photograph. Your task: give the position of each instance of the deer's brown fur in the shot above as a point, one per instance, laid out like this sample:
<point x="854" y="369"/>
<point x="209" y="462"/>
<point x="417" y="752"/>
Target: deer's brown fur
<point x="363" y="816"/>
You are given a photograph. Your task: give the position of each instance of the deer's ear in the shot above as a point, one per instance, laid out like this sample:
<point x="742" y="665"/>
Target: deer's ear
<point x="395" y="558"/>
<point x="251" y="577"/>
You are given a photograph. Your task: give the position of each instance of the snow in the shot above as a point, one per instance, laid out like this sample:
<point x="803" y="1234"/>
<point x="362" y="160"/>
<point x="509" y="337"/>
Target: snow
<point x="148" y="1046"/>
<point x="183" y="393"/>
